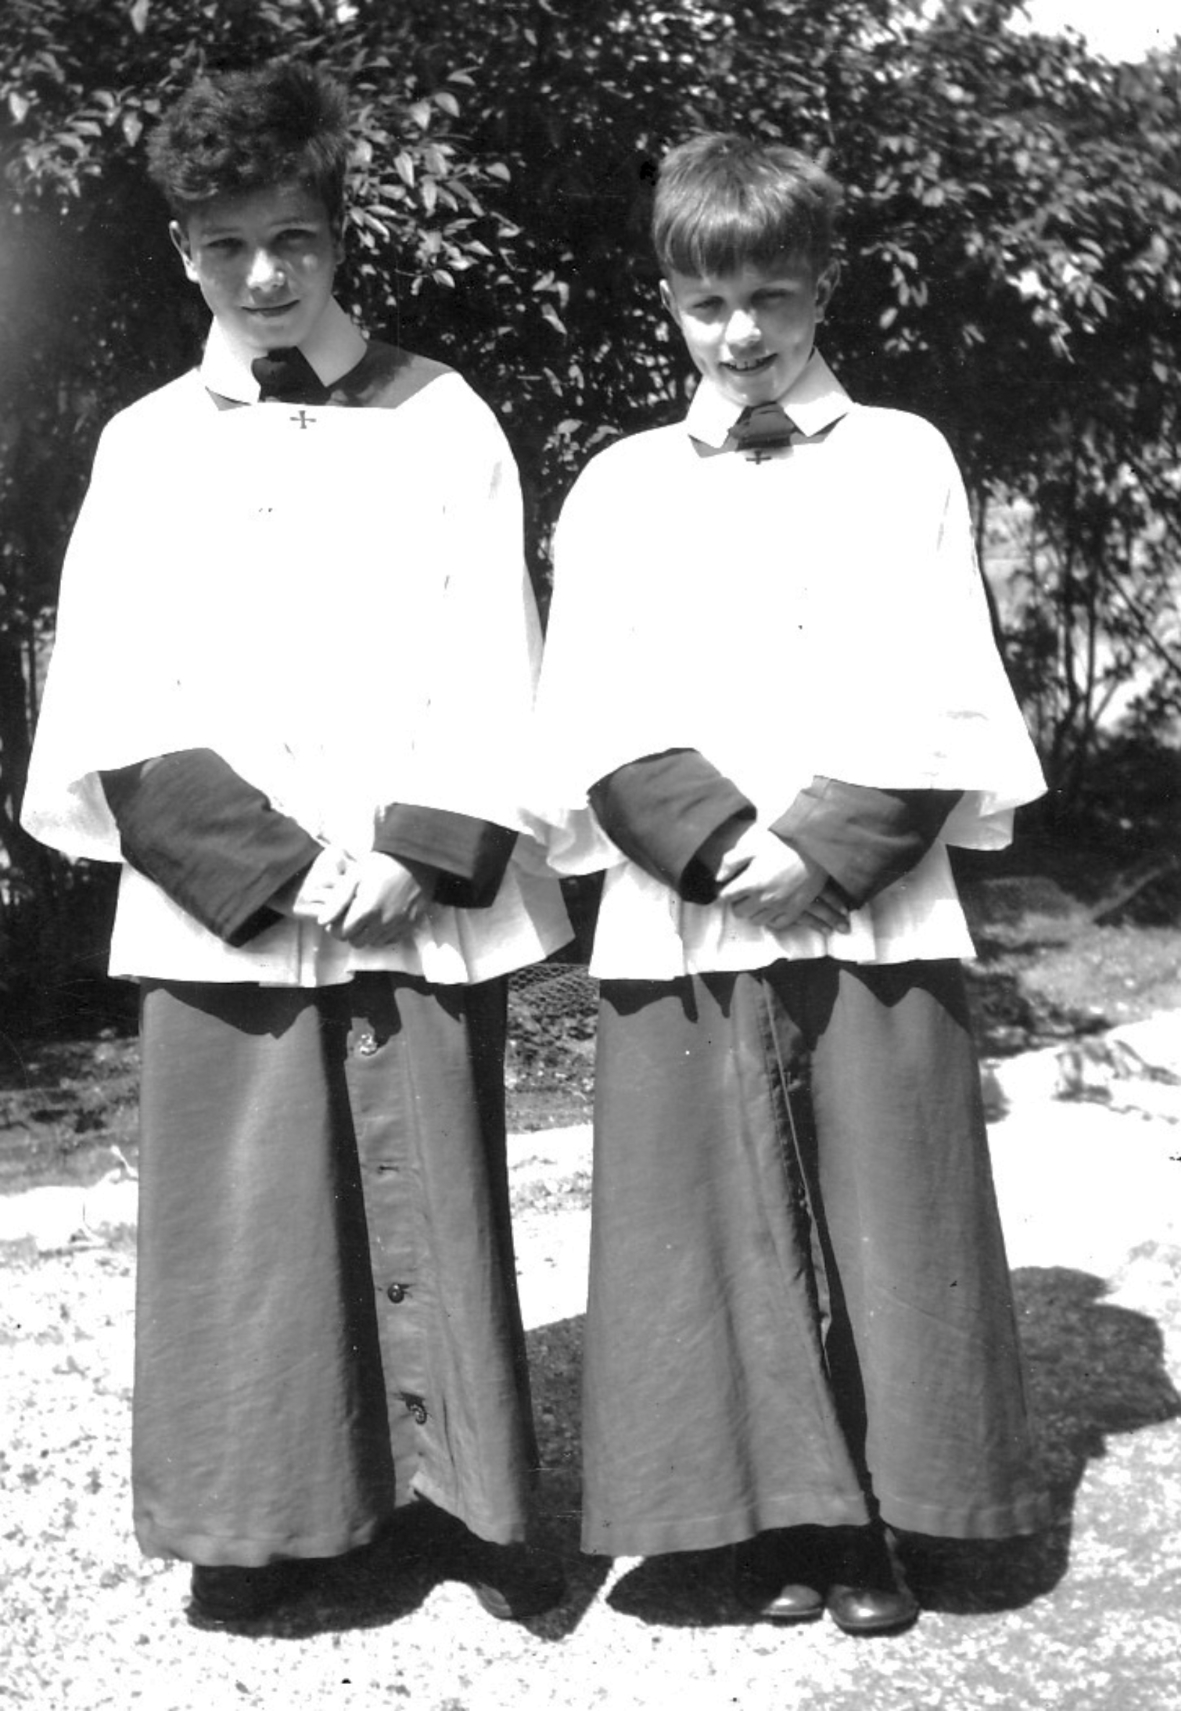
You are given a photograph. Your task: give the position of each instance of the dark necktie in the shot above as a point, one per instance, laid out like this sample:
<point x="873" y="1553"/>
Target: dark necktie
<point x="287" y="375"/>
<point x="761" y="429"/>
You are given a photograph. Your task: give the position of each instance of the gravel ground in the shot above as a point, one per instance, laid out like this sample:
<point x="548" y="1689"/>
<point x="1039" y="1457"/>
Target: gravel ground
<point x="1084" y="1618"/>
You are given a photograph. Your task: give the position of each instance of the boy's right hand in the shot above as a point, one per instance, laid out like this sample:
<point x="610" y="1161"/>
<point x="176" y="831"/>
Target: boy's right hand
<point x="383" y="902"/>
<point x="326" y="889"/>
<point x="770" y="884"/>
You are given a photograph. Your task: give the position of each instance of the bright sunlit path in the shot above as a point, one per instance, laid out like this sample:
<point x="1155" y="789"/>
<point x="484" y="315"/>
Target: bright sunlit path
<point x="1117" y="29"/>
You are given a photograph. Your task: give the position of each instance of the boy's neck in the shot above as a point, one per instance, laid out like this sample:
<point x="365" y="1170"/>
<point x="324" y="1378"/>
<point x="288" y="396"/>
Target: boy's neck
<point x="813" y="402"/>
<point x="333" y="347"/>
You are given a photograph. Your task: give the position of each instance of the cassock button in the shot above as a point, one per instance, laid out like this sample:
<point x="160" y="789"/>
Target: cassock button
<point x="416" y="1408"/>
<point x="366" y="1045"/>
<point x="396" y="1292"/>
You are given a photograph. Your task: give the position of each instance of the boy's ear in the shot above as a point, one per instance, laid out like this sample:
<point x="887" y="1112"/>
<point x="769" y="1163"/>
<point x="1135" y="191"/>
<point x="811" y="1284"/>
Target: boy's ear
<point x="669" y="301"/>
<point x="180" y="243"/>
<point x="826" y="283"/>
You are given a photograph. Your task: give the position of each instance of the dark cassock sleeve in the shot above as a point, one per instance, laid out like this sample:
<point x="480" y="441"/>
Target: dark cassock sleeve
<point x="674" y="815"/>
<point x="864" y="838"/>
<point x="210" y="841"/>
<point x="468" y="856"/>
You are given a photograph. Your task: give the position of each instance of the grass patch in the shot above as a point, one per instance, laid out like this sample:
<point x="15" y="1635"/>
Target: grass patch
<point x="1047" y="969"/>
<point x="63" y="1106"/>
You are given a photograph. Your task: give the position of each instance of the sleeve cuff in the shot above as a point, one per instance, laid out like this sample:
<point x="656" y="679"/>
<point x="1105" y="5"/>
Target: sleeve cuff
<point x="209" y="840"/>
<point x="864" y="838"/>
<point x="674" y="814"/>
<point x="468" y="855"/>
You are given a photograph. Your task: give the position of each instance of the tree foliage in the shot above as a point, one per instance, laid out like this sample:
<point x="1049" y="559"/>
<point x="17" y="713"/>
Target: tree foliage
<point x="1032" y="210"/>
<point x="1011" y="268"/>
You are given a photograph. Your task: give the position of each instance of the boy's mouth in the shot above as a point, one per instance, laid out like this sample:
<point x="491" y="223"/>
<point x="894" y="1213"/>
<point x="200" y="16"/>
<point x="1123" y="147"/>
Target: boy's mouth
<point x="750" y="365"/>
<point x="269" y="311"/>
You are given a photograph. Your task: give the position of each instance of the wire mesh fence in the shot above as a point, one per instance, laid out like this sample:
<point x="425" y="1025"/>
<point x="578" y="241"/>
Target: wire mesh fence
<point x="552" y="1009"/>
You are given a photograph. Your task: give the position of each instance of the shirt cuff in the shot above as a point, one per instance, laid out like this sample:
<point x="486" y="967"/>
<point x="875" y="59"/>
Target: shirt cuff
<point x="864" y="838"/>
<point x="209" y="840"/>
<point x="468" y="855"/>
<point x="675" y="815"/>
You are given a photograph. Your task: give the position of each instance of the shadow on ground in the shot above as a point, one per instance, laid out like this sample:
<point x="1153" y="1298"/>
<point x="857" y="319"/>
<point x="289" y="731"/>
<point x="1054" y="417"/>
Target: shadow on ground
<point x="1095" y="1369"/>
<point x="390" y="1579"/>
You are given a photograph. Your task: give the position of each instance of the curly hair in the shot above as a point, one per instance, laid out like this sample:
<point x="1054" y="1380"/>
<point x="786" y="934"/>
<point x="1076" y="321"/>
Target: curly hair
<point x="237" y="131"/>
<point x="724" y="201"/>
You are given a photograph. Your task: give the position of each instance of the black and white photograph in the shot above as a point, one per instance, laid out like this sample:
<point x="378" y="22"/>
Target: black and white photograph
<point x="590" y="855"/>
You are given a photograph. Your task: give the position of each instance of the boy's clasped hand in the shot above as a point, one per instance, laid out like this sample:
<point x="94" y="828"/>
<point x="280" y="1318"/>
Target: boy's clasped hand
<point x="367" y="901"/>
<point x="767" y="882"/>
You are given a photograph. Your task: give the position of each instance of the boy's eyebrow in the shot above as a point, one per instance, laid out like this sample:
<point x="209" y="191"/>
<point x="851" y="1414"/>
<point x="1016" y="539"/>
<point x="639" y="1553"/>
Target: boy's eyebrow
<point x="207" y="226"/>
<point x="229" y="228"/>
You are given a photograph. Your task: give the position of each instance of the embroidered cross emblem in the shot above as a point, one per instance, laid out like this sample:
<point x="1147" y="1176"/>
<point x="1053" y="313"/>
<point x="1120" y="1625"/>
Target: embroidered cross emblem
<point x="304" y="420"/>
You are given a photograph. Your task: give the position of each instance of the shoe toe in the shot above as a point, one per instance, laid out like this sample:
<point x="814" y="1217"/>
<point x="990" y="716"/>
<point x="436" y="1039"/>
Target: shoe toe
<point x="793" y="1601"/>
<point x="872" y="1610"/>
<point x="514" y="1583"/>
<point x="225" y="1596"/>
<point x="779" y="1575"/>
<point x="869" y="1594"/>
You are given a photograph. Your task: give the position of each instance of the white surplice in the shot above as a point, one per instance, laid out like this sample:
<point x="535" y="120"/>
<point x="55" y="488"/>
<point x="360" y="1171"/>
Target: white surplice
<point x="334" y="600"/>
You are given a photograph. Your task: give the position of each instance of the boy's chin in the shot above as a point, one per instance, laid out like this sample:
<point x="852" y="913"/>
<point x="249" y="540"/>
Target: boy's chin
<point x="744" y="397"/>
<point x="267" y="335"/>
<point x="262" y="340"/>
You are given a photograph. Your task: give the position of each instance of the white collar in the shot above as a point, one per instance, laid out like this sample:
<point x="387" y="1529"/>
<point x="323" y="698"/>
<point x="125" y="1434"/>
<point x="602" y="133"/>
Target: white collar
<point x="333" y="347"/>
<point x="814" y="402"/>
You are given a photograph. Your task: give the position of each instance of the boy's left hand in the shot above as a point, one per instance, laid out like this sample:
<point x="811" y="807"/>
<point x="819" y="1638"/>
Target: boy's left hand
<point x="387" y="902"/>
<point x="768" y="883"/>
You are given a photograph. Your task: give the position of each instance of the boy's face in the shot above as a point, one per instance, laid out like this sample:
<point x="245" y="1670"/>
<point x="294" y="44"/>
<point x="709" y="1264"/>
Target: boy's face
<point x="751" y="331"/>
<point x="264" y="261"/>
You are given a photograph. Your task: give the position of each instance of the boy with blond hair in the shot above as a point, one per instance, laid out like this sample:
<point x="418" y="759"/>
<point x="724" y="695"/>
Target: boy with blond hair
<point x="770" y="673"/>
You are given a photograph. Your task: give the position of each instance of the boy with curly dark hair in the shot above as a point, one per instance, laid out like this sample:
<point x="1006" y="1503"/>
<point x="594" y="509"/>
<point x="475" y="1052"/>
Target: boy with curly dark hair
<point x="295" y="658"/>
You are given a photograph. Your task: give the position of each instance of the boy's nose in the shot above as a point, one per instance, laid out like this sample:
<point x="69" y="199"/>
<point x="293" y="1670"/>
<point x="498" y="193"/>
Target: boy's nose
<point x="264" y="271"/>
<point x="741" y="328"/>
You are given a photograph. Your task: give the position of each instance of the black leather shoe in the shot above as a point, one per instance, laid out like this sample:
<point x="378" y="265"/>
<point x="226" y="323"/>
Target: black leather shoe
<point x="514" y="1582"/>
<point x="779" y="1575"/>
<point x="223" y="1597"/>
<point x="869" y="1594"/>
